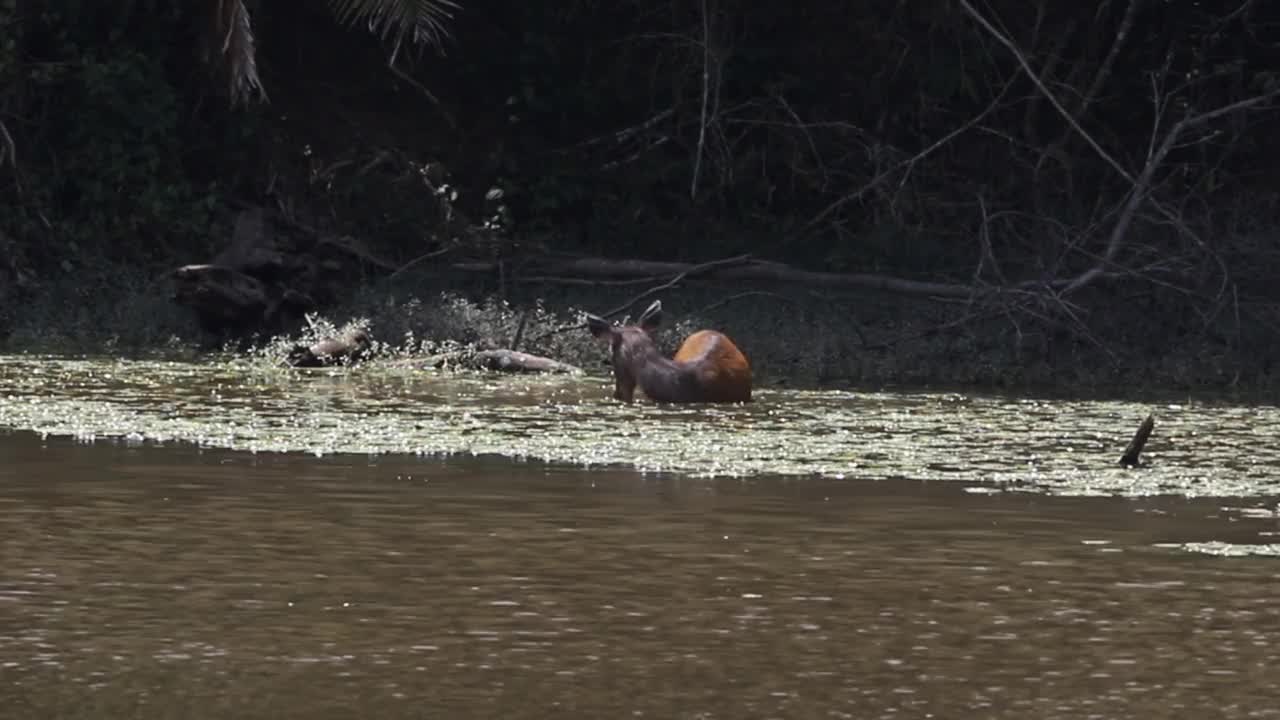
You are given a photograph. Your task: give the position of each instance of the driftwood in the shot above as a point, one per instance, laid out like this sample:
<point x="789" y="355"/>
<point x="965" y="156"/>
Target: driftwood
<point x="1139" y="441"/>
<point x="514" y="361"/>
<point x="341" y="350"/>
<point x="508" y="361"/>
<point x="355" y="346"/>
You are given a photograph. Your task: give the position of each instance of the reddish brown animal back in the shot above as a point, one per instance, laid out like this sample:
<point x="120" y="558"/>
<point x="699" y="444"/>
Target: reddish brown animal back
<point x="722" y="370"/>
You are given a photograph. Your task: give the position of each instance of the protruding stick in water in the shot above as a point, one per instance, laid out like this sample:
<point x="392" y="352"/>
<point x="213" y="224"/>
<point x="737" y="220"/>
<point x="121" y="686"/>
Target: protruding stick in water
<point x="1139" y="441"/>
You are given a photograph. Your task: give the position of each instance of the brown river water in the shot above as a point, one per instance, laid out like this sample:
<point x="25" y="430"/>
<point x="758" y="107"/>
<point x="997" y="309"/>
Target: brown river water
<point x="225" y="541"/>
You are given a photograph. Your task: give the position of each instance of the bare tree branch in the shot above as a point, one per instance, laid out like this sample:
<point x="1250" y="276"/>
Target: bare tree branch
<point x="1141" y="185"/>
<point x="625" y="134"/>
<point x="909" y="162"/>
<point x="1104" y="70"/>
<point x="1048" y="94"/>
<point x="391" y="64"/>
<point x="706" y="92"/>
<point x="422" y="258"/>
<point x="700" y="269"/>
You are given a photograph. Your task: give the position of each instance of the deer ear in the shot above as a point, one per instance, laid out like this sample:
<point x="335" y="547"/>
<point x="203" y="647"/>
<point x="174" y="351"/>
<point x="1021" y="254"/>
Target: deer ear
<point x="651" y="318"/>
<point x="599" y="327"/>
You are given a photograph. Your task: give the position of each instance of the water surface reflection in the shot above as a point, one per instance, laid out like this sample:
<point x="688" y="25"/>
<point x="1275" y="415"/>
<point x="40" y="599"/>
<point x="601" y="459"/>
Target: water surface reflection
<point x="157" y="582"/>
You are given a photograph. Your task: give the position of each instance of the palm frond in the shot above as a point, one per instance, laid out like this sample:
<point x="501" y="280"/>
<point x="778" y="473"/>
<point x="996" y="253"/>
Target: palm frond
<point x="423" y="21"/>
<point x="230" y="48"/>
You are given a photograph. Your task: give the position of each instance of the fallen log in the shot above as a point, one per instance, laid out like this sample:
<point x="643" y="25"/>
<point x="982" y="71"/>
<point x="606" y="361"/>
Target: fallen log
<point x="609" y="272"/>
<point x="507" y="361"/>
<point x="514" y="361"/>
<point x="605" y="270"/>
<point x="1139" y="441"/>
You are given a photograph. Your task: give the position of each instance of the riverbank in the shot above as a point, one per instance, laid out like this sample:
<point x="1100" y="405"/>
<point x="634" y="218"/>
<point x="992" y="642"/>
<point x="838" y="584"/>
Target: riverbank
<point x="793" y="338"/>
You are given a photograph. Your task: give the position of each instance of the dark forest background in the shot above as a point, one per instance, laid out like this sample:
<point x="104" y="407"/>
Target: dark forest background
<point x="1100" y="175"/>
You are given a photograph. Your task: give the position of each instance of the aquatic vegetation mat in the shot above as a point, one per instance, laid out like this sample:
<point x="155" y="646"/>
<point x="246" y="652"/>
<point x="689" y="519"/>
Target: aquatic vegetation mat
<point x="1010" y="443"/>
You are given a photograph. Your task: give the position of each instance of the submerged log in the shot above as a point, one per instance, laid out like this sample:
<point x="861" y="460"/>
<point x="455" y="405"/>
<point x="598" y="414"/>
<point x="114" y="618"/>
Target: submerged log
<point x="514" y="361"/>
<point x="1139" y="441"/>
<point x="508" y="361"/>
<point x="340" y="350"/>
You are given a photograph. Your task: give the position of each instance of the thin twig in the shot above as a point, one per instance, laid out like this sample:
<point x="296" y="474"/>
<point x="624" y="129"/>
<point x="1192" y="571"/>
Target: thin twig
<point x="421" y="258"/>
<point x="706" y="93"/>
<point x="612" y="164"/>
<point x="620" y="136"/>
<point x="585" y="282"/>
<point x="676" y="279"/>
<point x="391" y="65"/>
<point x="695" y="270"/>
<point x="1048" y="94"/>
<point x="515" y="341"/>
<point x="1104" y="71"/>
<point x="808" y="136"/>
<point x="10" y="149"/>
<point x="986" y="256"/>
<point x="739" y="296"/>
